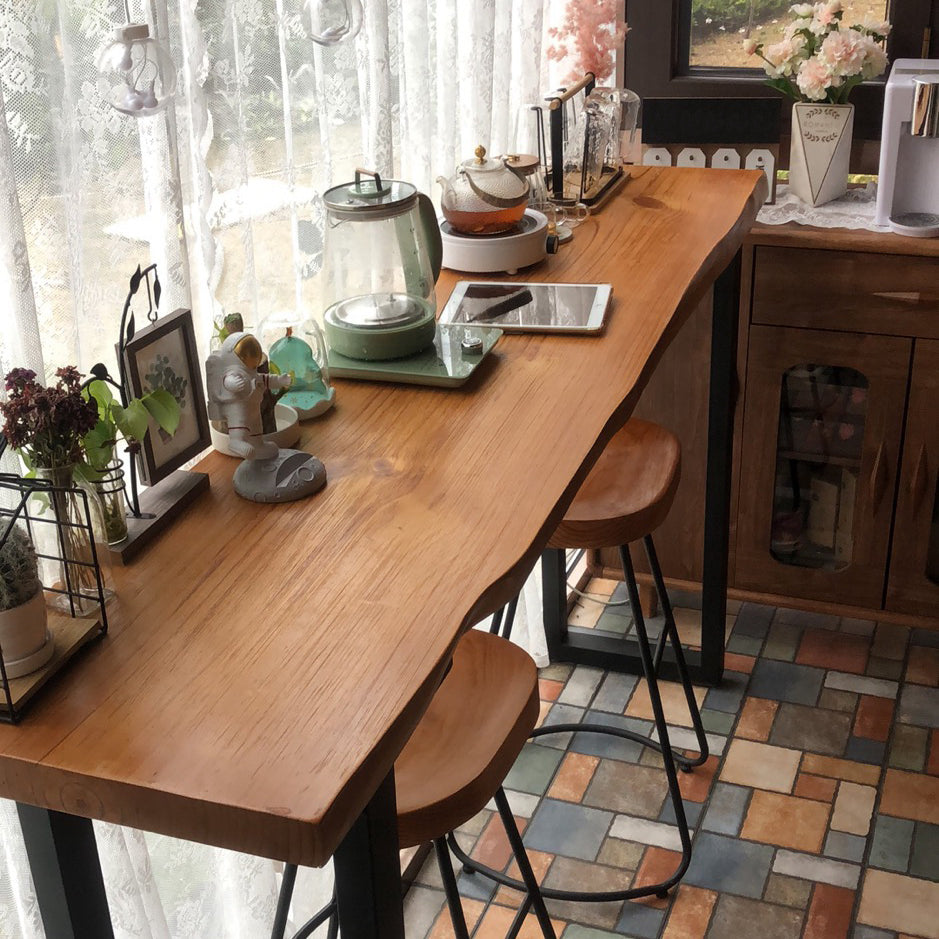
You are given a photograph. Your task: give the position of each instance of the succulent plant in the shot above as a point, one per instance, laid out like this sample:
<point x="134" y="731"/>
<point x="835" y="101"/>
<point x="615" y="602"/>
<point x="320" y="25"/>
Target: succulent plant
<point x="19" y="569"/>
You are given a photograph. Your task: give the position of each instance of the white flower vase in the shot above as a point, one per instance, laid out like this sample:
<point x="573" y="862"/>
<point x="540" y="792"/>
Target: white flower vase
<point x="820" y="150"/>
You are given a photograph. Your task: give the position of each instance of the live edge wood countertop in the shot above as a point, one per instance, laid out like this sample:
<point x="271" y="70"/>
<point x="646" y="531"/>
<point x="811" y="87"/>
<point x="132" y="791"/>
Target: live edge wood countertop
<point x="266" y="663"/>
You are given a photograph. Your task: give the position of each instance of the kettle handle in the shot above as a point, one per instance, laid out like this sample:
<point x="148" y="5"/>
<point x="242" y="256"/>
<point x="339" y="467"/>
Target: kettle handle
<point x="431" y="229"/>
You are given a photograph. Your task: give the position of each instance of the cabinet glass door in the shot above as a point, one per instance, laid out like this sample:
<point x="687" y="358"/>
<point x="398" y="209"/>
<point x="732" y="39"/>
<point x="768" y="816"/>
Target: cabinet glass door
<point x="822" y="413"/>
<point x="913" y="585"/>
<point x="818" y="463"/>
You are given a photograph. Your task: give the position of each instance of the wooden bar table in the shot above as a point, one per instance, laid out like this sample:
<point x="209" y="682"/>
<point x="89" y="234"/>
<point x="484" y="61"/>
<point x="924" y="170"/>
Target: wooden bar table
<point x="265" y="664"/>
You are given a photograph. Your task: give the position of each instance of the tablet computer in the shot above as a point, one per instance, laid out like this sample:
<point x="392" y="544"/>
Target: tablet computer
<point x="543" y="308"/>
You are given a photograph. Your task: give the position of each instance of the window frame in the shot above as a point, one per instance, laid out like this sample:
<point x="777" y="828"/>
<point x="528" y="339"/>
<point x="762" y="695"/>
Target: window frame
<point x="659" y="32"/>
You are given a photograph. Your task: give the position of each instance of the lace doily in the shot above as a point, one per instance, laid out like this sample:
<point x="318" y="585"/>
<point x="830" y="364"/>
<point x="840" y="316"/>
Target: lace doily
<point x="855" y="209"/>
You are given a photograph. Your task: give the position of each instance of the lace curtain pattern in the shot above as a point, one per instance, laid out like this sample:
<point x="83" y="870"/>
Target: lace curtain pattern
<point x="223" y="192"/>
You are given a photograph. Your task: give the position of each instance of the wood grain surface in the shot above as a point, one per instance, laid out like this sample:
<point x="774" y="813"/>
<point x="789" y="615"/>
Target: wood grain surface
<point x="266" y="663"/>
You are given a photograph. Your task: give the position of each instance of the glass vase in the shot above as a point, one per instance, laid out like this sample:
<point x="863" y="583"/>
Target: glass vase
<point x="110" y="488"/>
<point x="65" y="541"/>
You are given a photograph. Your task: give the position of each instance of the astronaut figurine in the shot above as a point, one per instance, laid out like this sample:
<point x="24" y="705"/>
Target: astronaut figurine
<point x="235" y="389"/>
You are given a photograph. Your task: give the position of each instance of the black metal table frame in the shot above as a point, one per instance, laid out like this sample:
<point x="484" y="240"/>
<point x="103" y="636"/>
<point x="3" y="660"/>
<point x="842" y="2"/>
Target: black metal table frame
<point x="62" y="853"/>
<point x="596" y="648"/>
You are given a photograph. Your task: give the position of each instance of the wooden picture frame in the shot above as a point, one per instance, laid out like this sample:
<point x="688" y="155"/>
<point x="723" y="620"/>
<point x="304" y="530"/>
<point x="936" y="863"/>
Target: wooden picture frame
<point x="164" y="355"/>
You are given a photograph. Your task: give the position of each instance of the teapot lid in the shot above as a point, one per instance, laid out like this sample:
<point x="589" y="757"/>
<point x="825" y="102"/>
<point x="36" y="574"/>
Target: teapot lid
<point x="372" y="197"/>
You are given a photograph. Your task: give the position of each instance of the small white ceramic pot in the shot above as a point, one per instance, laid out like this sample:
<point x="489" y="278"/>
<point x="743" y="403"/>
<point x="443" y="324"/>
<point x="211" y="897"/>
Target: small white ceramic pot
<point x="24" y="637"/>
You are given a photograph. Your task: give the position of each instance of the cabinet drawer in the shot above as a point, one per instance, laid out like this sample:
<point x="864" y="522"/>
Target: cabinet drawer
<point x="895" y="295"/>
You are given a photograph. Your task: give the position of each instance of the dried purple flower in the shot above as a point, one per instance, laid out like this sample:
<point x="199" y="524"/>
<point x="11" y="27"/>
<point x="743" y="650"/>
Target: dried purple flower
<point x="47" y="423"/>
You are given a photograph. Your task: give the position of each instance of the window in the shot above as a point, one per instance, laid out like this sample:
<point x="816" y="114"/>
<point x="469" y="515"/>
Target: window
<point x="672" y="50"/>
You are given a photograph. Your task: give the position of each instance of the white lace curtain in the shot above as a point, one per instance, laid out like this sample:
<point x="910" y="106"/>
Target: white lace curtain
<point x="223" y="192"/>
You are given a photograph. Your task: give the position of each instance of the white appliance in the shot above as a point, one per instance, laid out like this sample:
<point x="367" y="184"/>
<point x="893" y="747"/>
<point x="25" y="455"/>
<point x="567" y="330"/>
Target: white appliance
<point x="908" y="179"/>
<point x="510" y="251"/>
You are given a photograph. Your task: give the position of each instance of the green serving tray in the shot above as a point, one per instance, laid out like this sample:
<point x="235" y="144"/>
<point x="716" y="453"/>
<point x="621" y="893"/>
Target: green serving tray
<point x="443" y="365"/>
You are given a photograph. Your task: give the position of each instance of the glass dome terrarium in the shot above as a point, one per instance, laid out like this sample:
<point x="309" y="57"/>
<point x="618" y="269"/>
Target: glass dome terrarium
<point x="139" y="71"/>
<point x="310" y="394"/>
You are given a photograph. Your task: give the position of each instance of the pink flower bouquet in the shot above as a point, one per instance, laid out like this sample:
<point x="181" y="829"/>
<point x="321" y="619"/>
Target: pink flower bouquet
<point x="819" y="60"/>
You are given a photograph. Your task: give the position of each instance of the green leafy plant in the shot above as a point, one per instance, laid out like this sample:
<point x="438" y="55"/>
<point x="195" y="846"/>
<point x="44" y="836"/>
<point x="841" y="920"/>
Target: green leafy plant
<point x="130" y="423"/>
<point x="19" y="570"/>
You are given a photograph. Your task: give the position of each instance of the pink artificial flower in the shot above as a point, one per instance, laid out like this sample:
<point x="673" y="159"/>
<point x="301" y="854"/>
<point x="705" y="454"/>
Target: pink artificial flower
<point x="843" y="52"/>
<point x="749" y="46"/>
<point x="593" y="31"/>
<point x="814" y="79"/>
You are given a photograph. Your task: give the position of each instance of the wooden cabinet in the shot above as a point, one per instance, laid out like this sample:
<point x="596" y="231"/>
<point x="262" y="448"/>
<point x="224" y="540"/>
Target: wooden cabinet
<point x="819" y="461"/>
<point x="913" y="581"/>
<point x="836" y="450"/>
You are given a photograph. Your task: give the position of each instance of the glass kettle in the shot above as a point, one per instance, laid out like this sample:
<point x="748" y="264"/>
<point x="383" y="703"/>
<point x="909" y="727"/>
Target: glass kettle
<point x="381" y="261"/>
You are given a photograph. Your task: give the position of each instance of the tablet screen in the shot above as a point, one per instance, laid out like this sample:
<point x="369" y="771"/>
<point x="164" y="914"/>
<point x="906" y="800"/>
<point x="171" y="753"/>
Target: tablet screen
<point x="529" y="307"/>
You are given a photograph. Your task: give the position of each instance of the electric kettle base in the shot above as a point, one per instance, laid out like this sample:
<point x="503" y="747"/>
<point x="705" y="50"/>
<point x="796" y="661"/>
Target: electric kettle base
<point x="377" y="345"/>
<point x="491" y="254"/>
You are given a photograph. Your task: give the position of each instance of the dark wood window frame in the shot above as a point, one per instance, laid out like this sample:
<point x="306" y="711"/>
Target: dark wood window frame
<point x="656" y="67"/>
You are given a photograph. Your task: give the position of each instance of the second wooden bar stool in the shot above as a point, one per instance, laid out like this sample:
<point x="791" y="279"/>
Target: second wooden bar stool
<point x="625" y="497"/>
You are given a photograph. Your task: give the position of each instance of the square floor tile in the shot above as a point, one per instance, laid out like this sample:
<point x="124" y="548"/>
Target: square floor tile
<point x="919" y="705"/>
<point x="729" y="695"/>
<point x="925" y="860"/>
<point x="760" y="765"/>
<point x="640" y="920"/>
<point x="846" y="653"/>
<point x="728" y="865"/>
<point x="805" y="728"/>
<point x="570" y="830"/>
<point x="786" y="821"/>
<point x="780" y="681"/>
<point x="911" y="795"/>
<point x="845" y="847"/>
<point x="628" y="788"/>
<point x="891" y="843"/>
<point x="607" y="745"/>
<point x="726" y="808"/>
<point x="534" y="769"/>
<point x="736" y="916"/>
<point x="904" y="904"/>
<point x="854" y="806"/>
<point x="571" y="874"/>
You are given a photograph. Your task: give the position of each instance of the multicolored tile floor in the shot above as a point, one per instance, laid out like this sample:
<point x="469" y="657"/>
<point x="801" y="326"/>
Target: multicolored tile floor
<point x="816" y="816"/>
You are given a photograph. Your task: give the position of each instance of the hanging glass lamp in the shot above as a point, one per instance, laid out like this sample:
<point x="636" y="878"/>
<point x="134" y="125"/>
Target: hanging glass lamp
<point x="139" y="70"/>
<point x="332" y="21"/>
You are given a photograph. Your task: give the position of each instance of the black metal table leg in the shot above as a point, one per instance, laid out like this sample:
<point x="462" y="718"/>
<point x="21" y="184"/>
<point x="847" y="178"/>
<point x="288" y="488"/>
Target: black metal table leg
<point x="368" y="871"/>
<point x="722" y="397"/>
<point x="594" y="647"/>
<point x="63" y="859"/>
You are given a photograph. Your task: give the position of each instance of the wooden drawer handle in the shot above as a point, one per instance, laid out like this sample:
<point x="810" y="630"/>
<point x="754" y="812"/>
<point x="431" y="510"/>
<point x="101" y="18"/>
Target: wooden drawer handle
<point x="918" y="480"/>
<point x="878" y="479"/>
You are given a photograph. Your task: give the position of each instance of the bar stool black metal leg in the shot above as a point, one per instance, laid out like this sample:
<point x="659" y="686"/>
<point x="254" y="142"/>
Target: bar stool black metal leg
<point x="533" y="890"/>
<point x="283" y="901"/>
<point x="672" y="632"/>
<point x="661" y="726"/>
<point x="450" y="889"/>
<point x="326" y="914"/>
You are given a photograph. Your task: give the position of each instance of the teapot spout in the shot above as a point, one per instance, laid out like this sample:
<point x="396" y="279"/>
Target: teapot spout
<point x="447" y="187"/>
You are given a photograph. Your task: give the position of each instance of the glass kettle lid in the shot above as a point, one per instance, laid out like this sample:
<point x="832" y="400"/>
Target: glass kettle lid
<point x="370" y="197"/>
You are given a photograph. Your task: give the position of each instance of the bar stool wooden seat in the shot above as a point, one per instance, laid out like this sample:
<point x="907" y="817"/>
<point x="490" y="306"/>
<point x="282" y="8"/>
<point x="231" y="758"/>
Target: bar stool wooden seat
<point x="627" y="494"/>
<point x="464" y="746"/>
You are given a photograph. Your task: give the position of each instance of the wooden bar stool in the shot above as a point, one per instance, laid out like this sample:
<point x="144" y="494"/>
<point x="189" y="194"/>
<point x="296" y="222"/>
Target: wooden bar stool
<point x="626" y="495"/>
<point x="454" y="763"/>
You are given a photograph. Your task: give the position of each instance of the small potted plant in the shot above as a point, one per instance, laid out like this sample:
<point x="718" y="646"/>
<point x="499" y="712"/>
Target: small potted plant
<point x="102" y="466"/>
<point x="46" y="426"/>
<point x="24" y="637"/>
